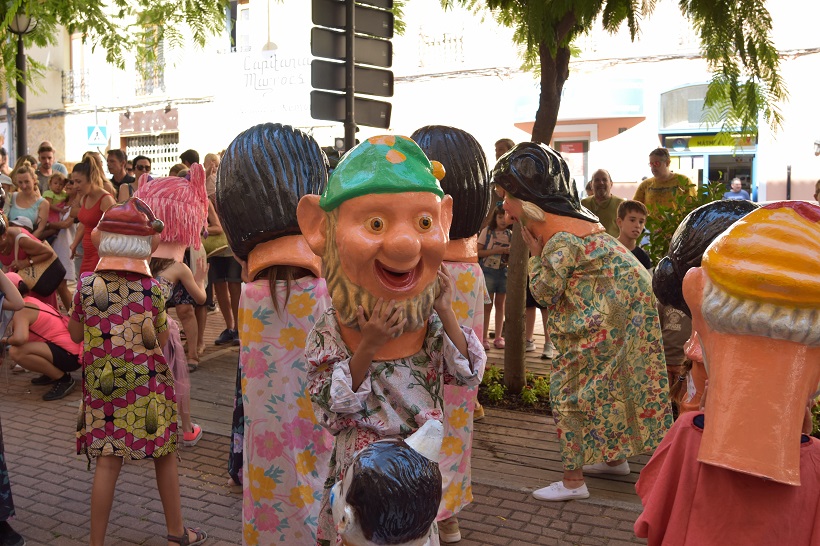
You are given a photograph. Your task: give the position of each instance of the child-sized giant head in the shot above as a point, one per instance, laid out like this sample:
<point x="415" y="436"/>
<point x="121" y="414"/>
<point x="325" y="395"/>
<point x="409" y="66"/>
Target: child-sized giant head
<point x="182" y="205"/>
<point x="467" y="180"/>
<point x="391" y="492"/>
<point x="381" y="229"/>
<point x="754" y="302"/>
<point x="263" y="174"/>
<point x="126" y="236"/>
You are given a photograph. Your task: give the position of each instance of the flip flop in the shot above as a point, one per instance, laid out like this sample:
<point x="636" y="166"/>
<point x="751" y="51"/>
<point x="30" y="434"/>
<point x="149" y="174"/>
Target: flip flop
<point x="193" y="366"/>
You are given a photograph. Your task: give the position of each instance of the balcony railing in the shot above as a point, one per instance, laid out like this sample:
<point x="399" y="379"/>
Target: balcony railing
<point x="75" y="87"/>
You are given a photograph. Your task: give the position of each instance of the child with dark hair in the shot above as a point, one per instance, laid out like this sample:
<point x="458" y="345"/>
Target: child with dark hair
<point x="631" y="221"/>
<point x="494" y="254"/>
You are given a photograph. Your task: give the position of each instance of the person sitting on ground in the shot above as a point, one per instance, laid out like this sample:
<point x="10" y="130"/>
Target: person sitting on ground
<point x="602" y="203"/>
<point x="40" y="342"/>
<point x="737" y="191"/>
<point x="630" y="222"/>
<point x="19" y="249"/>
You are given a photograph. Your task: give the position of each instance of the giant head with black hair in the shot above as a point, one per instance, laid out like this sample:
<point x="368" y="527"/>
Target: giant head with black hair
<point x="537" y="174"/>
<point x="694" y="234"/>
<point x="390" y="496"/>
<point x="263" y="174"/>
<point x="467" y="176"/>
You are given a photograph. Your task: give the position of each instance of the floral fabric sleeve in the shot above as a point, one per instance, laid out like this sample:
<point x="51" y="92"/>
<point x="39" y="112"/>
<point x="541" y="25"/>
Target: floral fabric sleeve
<point x="329" y="379"/>
<point x="550" y="272"/>
<point x="447" y="359"/>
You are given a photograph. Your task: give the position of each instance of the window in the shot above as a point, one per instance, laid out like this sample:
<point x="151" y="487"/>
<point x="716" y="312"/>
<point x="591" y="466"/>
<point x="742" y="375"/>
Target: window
<point x="162" y="150"/>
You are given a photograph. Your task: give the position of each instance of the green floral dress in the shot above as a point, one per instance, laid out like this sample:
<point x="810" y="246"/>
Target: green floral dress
<point x="129" y="406"/>
<point x="608" y="384"/>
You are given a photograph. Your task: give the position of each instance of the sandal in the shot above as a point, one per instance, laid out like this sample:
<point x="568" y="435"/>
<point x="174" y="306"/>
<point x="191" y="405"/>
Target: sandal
<point x="193" y="366"/>
<point x="184" y="540"/>
<point x="498" y="342"/>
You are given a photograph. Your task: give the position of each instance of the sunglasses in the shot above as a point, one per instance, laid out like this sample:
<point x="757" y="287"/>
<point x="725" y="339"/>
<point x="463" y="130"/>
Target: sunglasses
<point x="145" y="168"/>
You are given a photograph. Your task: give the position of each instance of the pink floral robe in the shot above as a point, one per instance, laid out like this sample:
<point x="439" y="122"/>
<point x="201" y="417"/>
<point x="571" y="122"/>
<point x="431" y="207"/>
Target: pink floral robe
<point x="459" y="402"/>
<point x="394" y="400"/>
<point x="285" y="451"/>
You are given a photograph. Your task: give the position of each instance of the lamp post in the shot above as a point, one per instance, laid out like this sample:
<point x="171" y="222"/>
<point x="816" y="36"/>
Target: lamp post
<point x="21" y="24"/>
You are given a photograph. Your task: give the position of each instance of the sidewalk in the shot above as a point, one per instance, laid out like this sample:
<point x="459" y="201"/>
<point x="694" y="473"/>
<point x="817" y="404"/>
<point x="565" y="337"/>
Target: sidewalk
<point x="513" y="454"/>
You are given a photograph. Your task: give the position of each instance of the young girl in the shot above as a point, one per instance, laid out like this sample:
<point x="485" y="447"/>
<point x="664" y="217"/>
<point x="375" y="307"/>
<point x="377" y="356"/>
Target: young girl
<point x="56" y="197"/>
<point x="493" y="254"/>
<point x="66" y="228"/>
<point x="169" y="273"/>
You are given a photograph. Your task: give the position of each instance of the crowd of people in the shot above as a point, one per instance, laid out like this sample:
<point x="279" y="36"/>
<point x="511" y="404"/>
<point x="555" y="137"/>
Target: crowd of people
<point x="308" y="395"/>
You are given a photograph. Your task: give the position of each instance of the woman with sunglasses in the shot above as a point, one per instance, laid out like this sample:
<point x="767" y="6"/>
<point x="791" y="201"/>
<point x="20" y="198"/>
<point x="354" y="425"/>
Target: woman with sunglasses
<point x="142" y="165"/>
<point x="67" y="230"/>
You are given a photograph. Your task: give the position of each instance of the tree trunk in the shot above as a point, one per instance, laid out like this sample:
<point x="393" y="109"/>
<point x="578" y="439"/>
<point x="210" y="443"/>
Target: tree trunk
<point x="514" y="371"/>
<point x="554" y="73"/>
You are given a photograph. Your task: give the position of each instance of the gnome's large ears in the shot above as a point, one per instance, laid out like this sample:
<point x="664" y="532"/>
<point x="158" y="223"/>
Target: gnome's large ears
<point x="446" y="213"/>
<point x="313" y="223"/>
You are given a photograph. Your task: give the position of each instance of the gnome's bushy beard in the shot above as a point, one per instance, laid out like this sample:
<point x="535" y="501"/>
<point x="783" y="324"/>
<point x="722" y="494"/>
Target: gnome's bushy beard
<point x="347" y="296"/>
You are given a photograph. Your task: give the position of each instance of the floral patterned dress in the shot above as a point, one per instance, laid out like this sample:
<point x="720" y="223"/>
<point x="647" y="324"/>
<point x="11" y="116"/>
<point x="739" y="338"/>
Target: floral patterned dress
<point x="286" y="452"/>
<point x="394" y="400"/>
<point x="129" y="407"/>
<point x="459" y="402"/>
<point x="608" y="384"/>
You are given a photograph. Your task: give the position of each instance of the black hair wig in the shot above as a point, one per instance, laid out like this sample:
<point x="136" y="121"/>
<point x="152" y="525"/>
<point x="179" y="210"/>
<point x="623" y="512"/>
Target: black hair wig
<point x="689" y="242"/>
<point x="467" y="176"/>
<point x="395" y="492"/>
<point x="263" y="174"/>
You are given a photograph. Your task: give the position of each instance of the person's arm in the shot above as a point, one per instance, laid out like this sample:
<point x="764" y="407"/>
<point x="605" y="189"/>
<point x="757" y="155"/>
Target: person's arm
<point x="194" y="288"/>
<point x="78" y="238"/>
<point x="214" y="225"/>
<point x="42" y="218"/>
<point x="107" y="201"/>
<point x="109" y="188"/>
<point x="37" y="252"/>
<point x="12" y="300"/>
<point x="640" y="193"/>
<point x="75" y="330"/>
<point x="124" y="193"/>
<point x="19" y="324"/>
<point x="386" y="322"/>
<point x="443" y="306"/>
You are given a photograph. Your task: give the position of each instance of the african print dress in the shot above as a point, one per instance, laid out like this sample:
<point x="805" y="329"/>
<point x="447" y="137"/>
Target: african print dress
<point x="129" y="407"/>
<point x="286" y="452"/>
<point x="608" y="384"/>
<point x="394" y="400"/>
<point x="459" y="402"/>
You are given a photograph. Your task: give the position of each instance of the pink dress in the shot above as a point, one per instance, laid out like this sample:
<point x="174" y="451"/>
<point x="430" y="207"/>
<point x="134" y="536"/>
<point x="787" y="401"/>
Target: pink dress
<point x="459" y="402"/>
<point x="286" y="453"/>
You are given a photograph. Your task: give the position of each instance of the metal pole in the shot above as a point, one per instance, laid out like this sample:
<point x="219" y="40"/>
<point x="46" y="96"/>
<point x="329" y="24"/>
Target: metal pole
<point x="21" y="100"/>
<point x="350" y="81"/>
<point x="788" y="182"/>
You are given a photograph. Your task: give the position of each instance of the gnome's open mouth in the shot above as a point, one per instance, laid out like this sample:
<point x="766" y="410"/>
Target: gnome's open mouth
<point x="397" y="279"/>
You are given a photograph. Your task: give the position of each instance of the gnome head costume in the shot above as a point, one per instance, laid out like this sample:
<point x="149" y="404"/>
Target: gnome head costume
<point x="126" y="237"/>
<point x="381" y="229"/>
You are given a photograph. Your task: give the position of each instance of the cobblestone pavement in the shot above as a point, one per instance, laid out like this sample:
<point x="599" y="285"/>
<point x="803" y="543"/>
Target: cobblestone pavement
<point x="51" y="487"/>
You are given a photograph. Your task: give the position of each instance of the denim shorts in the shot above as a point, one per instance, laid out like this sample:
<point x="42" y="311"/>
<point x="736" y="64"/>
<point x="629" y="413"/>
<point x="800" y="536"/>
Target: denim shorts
<point x="496" y="280"/>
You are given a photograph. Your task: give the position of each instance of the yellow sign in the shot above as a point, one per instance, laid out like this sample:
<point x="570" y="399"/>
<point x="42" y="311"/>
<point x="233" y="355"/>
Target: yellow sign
<point x="711" y="141"/>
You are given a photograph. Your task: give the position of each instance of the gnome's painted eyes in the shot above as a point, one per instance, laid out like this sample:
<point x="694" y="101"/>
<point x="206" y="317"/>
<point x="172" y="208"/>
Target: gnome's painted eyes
<point x="375" y="225"/>
<point x="425" y="223"/>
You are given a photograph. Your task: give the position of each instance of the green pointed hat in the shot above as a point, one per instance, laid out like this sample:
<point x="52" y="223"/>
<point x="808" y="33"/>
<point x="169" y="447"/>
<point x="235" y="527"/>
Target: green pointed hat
<point x="382" y="164"/>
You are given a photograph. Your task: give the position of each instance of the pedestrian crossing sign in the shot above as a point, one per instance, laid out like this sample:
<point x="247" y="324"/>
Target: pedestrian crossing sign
<point x="97" y="135"/>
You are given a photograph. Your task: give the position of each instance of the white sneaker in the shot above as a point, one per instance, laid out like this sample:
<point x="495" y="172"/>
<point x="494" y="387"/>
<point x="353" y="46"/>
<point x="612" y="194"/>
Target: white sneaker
<point x="549" y="351"/>
<point x="530" y="346"/>
<point x="603" y="468"/>
<point x="557" y="492"/>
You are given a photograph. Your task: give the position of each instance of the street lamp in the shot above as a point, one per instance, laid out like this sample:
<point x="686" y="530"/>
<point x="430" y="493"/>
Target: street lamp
<point x="21" y="24"/>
